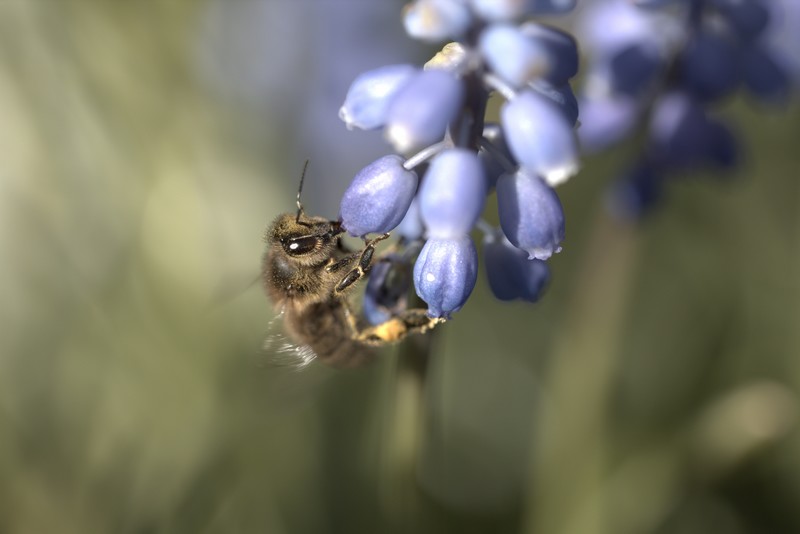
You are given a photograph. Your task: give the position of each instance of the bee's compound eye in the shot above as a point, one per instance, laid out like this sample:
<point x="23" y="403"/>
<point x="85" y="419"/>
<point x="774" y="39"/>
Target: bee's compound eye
<point x="299" y="246"/>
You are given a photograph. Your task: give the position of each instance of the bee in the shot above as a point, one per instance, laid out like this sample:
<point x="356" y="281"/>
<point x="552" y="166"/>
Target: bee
<point x="308" y="273"/>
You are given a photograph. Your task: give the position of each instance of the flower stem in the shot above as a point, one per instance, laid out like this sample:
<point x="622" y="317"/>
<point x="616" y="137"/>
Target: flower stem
<point x="402" y="445"/>
<point x="580" y="379"/>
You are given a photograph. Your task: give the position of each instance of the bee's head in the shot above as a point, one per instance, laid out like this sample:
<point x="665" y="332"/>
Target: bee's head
<point x="308" y="240"/>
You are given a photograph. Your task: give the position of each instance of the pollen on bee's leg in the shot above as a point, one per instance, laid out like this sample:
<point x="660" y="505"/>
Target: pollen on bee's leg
<point x="414" y="321"/>
<point x="389" y="332"/>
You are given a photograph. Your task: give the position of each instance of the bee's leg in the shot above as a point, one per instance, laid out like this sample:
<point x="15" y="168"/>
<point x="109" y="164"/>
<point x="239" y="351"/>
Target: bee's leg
<point x="341" y="263"/>
<point x="414" y="321"/>
<point x="362" y="267"/>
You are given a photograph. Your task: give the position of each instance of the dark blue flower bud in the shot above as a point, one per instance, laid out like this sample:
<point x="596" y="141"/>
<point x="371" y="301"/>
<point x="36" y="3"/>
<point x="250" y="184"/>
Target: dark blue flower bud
<point x="723" y="148"/>
<point x="561" y="49"/>
<point x="436" y="20"/>
<point x="516" y="58"/>
<point x="684" y="136"/>
<point x="378" y="197"/>
<point x="530" y="214"/>
<point x="634" y="68"/>
<point x="387" y="288"/>
<point x="510" y="273"/>
<point x="551" y="7"/>
<point x="764" y="77"/>
<point x="675" y="128"/>
<point x="452" y="194"/>
<point x="748" y="17"/>
<point x="368" y="98"/>
<point x="635" y="193"/>
<point x="540" y="137"/>
<point x="709" y="68"/>
<point x="421" y="111"/>
<point x="445" y="274"/>
<point x="507" y="10"/>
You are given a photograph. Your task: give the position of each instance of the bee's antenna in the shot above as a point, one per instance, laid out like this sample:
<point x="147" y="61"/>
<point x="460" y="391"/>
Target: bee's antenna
<point x="300" y="211"/>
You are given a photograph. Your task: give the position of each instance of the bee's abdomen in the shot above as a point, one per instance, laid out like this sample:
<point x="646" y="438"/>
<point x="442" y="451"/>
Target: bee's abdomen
<point x="324" y="328"/>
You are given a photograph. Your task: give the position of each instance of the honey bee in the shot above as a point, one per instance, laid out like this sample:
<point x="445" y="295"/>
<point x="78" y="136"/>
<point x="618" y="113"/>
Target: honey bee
<point x="308" y="272"/>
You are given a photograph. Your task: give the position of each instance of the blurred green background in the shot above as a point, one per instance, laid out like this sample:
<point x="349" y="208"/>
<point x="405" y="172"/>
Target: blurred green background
<point x="146" y="145"/>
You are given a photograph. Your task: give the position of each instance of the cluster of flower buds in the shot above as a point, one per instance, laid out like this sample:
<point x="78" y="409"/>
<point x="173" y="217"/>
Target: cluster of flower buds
<point x="657" y="68"/>
<point x="434" y="193"/>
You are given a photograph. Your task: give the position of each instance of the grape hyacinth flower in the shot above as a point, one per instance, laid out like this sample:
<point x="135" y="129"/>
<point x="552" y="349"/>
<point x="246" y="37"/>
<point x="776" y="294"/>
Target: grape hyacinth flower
<point x="658" y="73"/>
<point x="511" y="274"/>
<point x="368" y="99"/>
<point x="451" y="159"/>
<point x="530" y="214"/>
<point x="379" y="197"/>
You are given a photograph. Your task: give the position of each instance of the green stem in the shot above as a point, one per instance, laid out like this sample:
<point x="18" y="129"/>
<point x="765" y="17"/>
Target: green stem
<point x="402" y="445"/>
<point x="571" y="456"/>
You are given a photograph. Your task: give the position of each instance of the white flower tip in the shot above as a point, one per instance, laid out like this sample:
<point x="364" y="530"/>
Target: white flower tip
<point x="346" y="118"/>
<point x="539" y="254"/>
<point x="557" y="176"/>
<point x="542" y="253"/>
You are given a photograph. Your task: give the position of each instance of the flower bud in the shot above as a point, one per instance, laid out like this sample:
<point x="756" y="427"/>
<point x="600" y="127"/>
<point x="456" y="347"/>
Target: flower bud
<point x="452" y="194"/>
<point x="561" y="49"/>
<point x="378" y="197"/>
<point x="764" y="77"/>
<point x="684" y="136"/>
<point x="606" y="27"/>
<point x="436" y="20"/>
<point x="445" y="274"/>
<point x="387" y="288"/>
<point x="500" y="10"/>
<point x="421" y="111"/>
<point x="748" y="17"/>
<point x="539" y="136"/>
<point x="507" y="10"/>
<point x="723" y="147"/>
<point x="368" y="98"/>
<point x="552" y="7"/>
<point x="635" y="193"/>
<point x="634" y="68"/>
<point x="516" y="58"/>
<point x="710" y="68"/>
<point x="561" y="96"/>
<point x="510" y="273"/>
<point x="530" y="214"/>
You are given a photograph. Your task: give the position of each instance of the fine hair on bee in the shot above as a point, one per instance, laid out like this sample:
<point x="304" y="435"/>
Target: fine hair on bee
<point x="308" y="273"/>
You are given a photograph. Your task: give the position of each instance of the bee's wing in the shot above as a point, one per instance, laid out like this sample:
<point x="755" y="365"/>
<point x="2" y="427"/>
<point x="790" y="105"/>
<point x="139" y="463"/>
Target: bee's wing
<point x="284" y="359"/>
<point x="280" y="351"/>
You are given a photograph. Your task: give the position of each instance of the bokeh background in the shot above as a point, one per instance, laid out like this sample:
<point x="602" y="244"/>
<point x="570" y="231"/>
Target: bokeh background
<point x="144" y="147"/>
